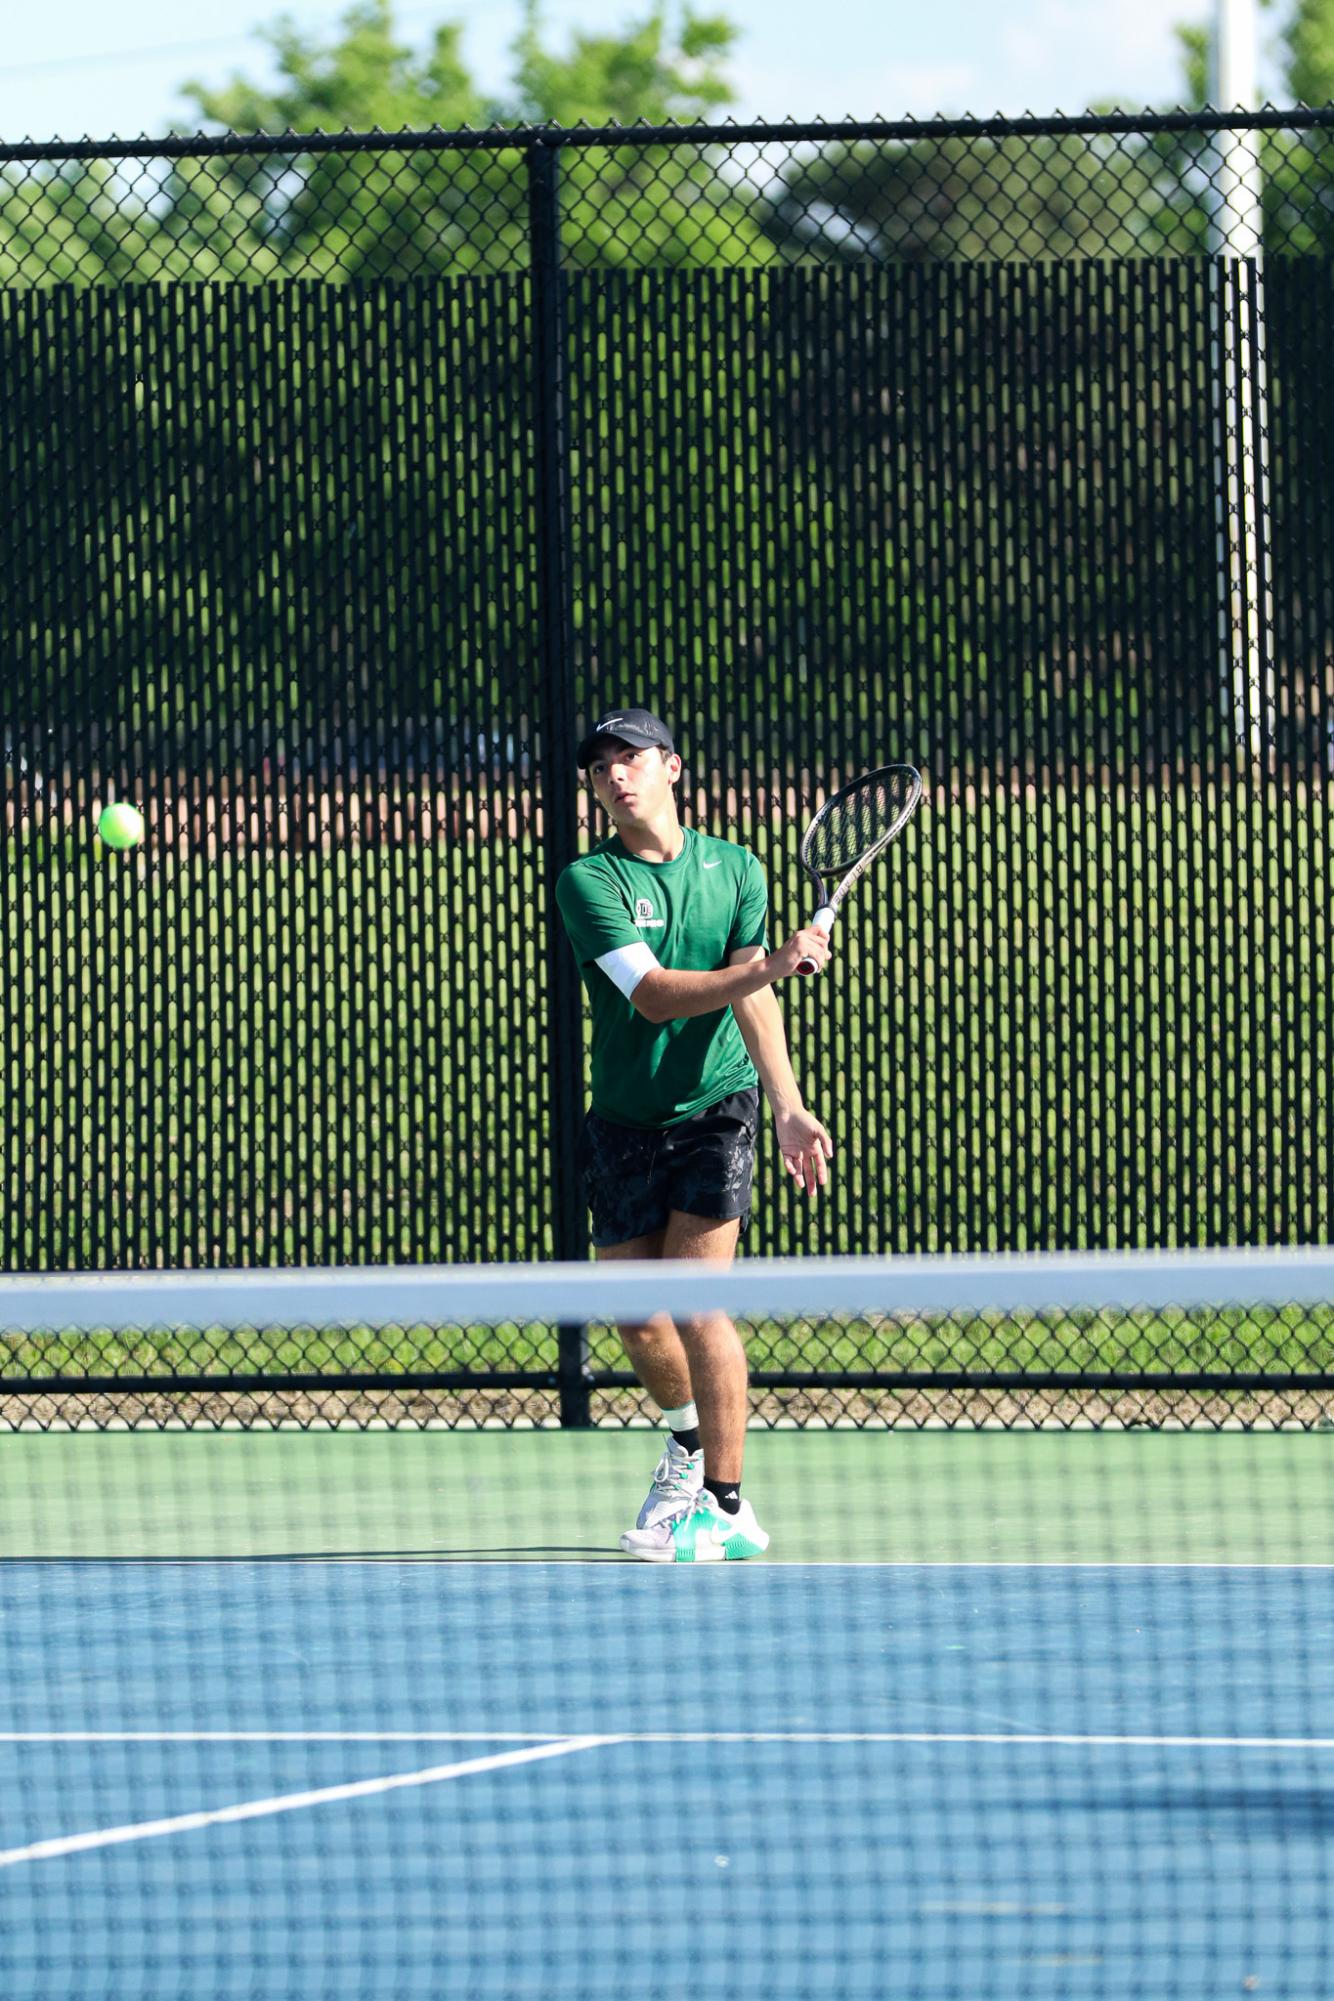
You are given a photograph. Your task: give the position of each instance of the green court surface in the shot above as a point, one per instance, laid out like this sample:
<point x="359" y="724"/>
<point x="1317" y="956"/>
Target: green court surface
<point x="916" y="1497"/>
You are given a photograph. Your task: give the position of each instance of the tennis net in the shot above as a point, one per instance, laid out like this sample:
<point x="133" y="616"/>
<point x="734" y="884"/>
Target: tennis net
<point x="1032" y="1693"/>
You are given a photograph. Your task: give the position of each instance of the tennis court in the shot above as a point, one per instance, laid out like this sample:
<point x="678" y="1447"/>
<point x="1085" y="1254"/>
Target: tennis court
<point x="353" y="1714"/>
<point x="358" y="473"/>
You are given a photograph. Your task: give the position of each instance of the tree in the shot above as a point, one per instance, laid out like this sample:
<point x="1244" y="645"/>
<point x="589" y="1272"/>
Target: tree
<point x="1309" y="41"/>
<point x="366" y="79"/>
<point x="381" y="214"/>
<point x="357" y="215"/>
<point x="1297" y="167"/>
<point x="414" y="214"/>
<point x="650" y="75"/>
<point x="1194" y="43"/>
<point x="636" y="206"/>
<point x="970" y="197"/>
<point x="338" y="490"/>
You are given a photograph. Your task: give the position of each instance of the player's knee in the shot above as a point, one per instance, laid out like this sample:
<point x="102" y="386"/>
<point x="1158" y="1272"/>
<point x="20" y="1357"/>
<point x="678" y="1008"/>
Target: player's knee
<point x="642" y="1333"/>
<point x="707" y="1330"/>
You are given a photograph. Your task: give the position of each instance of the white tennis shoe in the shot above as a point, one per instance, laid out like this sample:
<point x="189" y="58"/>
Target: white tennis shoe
<point x="699" y="1532"/>
<point x="677" y="1478"/>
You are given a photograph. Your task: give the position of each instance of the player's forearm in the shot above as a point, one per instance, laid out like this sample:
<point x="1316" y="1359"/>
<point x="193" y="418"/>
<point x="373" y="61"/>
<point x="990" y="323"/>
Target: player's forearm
<point x="760" y="1020"/>
<point x="668" y="995"/>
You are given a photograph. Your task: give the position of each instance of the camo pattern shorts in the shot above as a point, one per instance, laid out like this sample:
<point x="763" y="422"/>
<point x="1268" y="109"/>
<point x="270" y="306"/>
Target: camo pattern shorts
<point x="634" y="1177"/>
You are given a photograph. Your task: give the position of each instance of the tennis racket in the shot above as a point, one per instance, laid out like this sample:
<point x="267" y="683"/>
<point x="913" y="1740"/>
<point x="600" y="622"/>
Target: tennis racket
<point x="850" y="830"/>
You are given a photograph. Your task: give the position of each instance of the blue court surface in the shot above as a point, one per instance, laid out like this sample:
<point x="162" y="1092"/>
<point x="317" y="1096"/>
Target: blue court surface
<point x="362" y="1779"/>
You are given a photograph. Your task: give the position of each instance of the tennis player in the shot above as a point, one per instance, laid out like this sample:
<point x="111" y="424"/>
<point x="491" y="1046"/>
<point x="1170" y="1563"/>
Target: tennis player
<point x="669" y="927"/>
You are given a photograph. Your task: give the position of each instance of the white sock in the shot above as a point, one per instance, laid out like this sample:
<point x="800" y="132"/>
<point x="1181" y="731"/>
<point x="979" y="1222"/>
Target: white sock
<point x="684" y="1419"/>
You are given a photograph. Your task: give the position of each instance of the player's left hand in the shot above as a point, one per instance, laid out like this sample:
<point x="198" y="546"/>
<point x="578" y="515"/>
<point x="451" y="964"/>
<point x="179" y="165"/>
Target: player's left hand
<point x="806" y="1148"/>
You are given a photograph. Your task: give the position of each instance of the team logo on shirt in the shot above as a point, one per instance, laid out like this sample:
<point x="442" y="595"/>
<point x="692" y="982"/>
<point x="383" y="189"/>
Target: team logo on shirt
<point x="644" y="918"/>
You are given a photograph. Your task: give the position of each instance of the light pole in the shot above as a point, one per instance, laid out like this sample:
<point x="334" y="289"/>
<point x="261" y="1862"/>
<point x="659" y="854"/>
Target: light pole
<point x="1242" y="420"/>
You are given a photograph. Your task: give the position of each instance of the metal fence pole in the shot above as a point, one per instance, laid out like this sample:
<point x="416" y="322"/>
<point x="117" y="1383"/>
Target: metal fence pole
<point x="559" y="776"/>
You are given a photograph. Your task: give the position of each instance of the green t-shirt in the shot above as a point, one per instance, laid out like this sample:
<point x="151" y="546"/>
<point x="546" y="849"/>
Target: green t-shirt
<point x="692" y="913"/>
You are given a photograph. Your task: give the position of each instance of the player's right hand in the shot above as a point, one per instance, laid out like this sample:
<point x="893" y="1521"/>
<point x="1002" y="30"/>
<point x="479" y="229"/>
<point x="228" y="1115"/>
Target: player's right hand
<point x="808" y="943"/>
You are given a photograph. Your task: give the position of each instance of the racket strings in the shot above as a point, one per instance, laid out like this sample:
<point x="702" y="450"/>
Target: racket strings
<point x="856" y="822"/>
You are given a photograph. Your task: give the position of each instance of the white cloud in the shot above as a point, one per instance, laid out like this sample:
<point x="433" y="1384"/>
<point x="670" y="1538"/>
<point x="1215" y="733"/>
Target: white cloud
<point x="1127" y="54"/>
<point x="965" y="57"/>
<point x="1134" y="33"/>
<point x="1123" y="53"/>
<point x="845" y="89"/>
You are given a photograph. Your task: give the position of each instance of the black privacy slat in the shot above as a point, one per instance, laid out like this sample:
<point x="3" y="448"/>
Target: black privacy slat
<point x="285" y="600"/>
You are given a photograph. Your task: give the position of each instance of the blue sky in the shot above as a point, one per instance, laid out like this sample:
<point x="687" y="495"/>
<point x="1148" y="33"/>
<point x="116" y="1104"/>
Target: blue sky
<point x="71" y="68"/>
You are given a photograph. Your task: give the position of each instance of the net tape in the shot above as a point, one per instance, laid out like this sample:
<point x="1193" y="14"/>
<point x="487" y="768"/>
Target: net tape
<point x="462" y="1295"/>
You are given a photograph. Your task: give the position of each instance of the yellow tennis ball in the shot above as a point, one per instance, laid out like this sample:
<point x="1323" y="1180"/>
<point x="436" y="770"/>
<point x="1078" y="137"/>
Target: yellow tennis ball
<point x="121" y="825"/>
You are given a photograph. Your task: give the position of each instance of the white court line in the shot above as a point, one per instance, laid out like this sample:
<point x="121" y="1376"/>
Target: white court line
<point x="1030" y="1738"/>
<point x="552" y="1745"/>
<point x="447" y="1562"/>
<point x="185" y="1823"/>
<point x="628" y="1564"/>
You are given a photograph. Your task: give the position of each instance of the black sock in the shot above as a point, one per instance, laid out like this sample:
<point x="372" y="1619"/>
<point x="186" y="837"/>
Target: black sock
<point x="689" y="1439"/>
<point x="727" y="1493"/>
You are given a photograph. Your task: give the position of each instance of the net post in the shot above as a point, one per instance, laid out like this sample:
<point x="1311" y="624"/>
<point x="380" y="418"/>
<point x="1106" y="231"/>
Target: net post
<point x="574" y="1376"/>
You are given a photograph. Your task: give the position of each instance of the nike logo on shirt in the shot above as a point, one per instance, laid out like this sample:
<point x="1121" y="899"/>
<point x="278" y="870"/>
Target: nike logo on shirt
<point x="717" y="864"/>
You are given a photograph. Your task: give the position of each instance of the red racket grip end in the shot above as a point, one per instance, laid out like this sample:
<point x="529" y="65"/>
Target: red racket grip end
<point x="823" y="920"/>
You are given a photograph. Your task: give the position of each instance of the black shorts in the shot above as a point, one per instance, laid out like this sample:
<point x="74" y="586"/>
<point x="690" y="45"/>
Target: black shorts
<point x="635" y="1177"/>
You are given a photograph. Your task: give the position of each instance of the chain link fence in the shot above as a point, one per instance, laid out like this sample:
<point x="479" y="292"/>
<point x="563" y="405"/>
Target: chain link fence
<point x="342" y="207"/>
<point x="352" y="475"/>
<point x="1191" y="1367"/>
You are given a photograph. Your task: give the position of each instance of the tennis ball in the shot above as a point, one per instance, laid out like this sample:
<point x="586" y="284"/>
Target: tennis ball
<point x="121" y="825"/>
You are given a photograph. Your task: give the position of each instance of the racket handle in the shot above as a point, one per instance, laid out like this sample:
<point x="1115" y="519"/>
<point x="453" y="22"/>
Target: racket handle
<point x="823" y="920"/>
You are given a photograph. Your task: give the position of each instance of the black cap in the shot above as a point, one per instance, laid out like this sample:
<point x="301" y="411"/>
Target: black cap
<point x="633" y="726"/>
